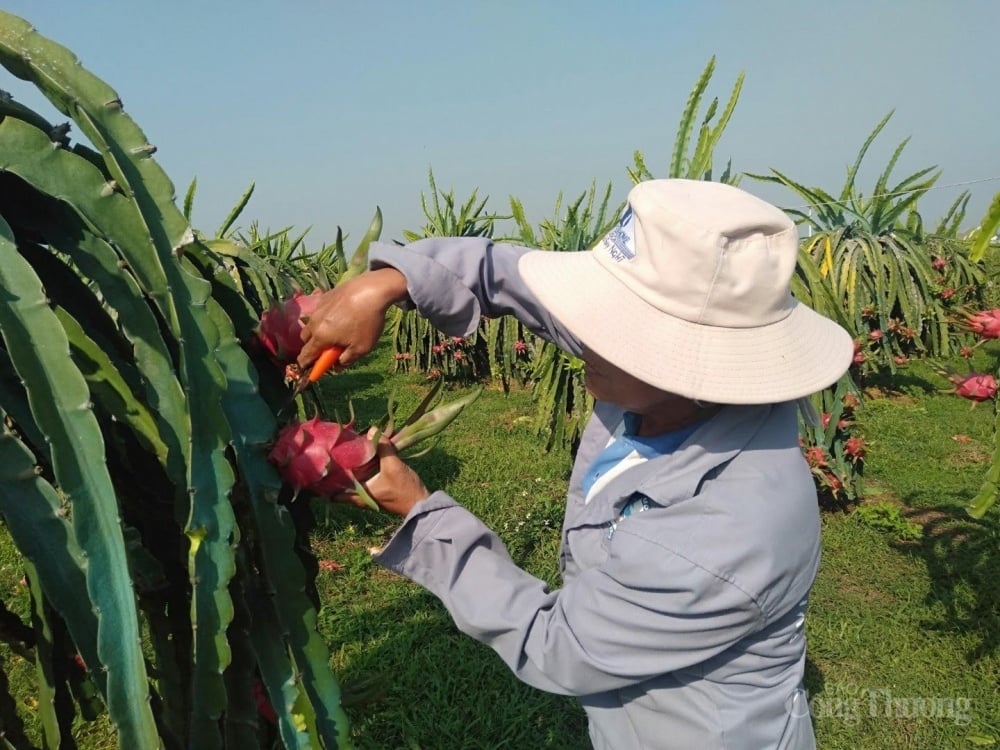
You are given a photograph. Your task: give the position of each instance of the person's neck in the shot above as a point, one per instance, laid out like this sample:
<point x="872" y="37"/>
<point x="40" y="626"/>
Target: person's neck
<point x="678" y="414"/>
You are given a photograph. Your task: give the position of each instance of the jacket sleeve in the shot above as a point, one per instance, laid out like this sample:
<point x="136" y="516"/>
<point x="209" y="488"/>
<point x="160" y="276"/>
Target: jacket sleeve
<point x="454" y="281"/>
<point x="647" y="611"/>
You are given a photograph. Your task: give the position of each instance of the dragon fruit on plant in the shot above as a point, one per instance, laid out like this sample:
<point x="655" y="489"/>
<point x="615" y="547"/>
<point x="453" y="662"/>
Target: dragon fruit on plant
<point x="985" y="323"/>
<point x="976" y="387"/>
<point x="323" y="457"/>
<point x="280" y="328"/>
<point x="326" y="458"/>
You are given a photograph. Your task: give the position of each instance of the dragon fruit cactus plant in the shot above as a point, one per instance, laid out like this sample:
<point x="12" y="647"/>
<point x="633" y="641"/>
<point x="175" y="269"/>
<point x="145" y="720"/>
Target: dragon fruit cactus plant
<point x="134" y="478"/>
<point x="984" y="238"/>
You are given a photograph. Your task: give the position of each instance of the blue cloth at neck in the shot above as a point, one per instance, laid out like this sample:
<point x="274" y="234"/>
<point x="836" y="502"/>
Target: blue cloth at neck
<point x="627" y="441"/>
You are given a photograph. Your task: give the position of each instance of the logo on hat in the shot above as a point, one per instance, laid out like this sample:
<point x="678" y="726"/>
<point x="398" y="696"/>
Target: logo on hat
<point x="620" y="241"/>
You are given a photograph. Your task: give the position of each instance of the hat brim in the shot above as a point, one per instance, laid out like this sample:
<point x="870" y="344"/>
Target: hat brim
<point x="794" y="357"/>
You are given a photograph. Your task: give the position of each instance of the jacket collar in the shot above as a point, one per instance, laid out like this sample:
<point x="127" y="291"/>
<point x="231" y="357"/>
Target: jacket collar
<point x="676" y="476"/>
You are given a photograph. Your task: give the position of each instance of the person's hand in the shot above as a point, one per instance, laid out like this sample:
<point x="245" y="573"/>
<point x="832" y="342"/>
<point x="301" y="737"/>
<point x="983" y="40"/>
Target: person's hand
<point x="352" y="316"/>
<point x="396" y="488"/>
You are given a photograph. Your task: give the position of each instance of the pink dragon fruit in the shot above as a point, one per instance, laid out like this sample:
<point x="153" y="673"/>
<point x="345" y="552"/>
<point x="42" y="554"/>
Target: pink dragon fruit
<point x="976" y="387"/>
<point x="855" y="447"/>
<point x="280" y="328"/>
<point x="326" y="458"/>
<point x="816" y="456"/>
<point x="985" y="324"/>
<point x="323" y="457"/>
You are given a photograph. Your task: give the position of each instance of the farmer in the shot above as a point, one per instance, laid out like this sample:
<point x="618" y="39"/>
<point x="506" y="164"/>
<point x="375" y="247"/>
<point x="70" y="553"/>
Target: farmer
<point x="691" y="534"/>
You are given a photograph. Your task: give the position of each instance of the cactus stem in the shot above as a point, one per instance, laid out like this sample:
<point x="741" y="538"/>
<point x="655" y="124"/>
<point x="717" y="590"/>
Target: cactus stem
<point x="115" y="103"/>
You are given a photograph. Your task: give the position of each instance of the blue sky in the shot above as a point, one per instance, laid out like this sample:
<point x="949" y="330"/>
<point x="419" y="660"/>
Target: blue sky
<point x="332" y="108"/>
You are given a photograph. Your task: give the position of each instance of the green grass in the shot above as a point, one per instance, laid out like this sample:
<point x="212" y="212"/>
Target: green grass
<point x="897" y="628"/>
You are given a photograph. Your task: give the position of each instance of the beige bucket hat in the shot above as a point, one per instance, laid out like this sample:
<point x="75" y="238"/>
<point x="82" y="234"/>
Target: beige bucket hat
<point x="690" y="292"/>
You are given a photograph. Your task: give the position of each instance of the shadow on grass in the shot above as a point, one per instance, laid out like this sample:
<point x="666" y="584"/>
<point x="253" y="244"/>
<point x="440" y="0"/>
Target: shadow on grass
<point x="902" y="382"/>
<point x="426" y="685"/>
<point x="962" y="555"/>
<point x="813" y="679"/>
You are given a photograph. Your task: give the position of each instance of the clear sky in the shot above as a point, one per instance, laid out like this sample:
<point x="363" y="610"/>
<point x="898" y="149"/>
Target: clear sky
<point x="332" y="108"/>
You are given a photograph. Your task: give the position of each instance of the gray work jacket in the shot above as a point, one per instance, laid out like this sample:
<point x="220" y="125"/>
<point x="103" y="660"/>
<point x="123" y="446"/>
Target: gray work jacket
<point x="678" y="627"/>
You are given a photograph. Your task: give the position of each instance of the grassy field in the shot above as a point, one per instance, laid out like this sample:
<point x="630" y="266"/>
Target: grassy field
<point x="903" y="632"/>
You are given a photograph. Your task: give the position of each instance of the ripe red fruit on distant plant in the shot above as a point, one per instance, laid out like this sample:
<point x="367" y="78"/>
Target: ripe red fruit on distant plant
<point x="854" y="447"/>
<point x="816" y="456"/>
<point x="262" y="702"/>
<point x="976" y="387"/>
<point x="985" y="324"/>
<point x="280" y="329"/>
<point x="835" y="483"/>
<point x="859" y="355"/>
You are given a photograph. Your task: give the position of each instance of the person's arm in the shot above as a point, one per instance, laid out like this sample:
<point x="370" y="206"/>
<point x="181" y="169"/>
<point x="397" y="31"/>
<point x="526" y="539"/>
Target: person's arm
<point x="451" y="281"/>
<point x="454" y="281"/>
<point x="647" y="611"/>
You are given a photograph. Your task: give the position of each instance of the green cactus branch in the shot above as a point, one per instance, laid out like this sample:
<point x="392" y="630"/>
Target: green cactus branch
<point x="60" y="403"/>
<point x="277" y="670"/>
<point x="14" y="401"/>
<point x="36" y="519"/>
<point x="209" y="475"/>
<point x="55" y="731"/>
<point x="64" y="231"/>
<point x="156" y="222"/>
<point x="27" y="153"/>
<point x="98" y="111"/>
<point x="254" y="426"/>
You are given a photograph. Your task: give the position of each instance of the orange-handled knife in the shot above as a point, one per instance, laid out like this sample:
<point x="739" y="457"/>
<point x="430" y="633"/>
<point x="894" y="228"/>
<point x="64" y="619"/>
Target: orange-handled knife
<point x="327" y="359"/>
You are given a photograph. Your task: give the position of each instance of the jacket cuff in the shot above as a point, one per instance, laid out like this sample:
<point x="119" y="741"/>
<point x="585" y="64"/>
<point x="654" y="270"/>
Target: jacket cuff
<point x="417" y="526"/>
